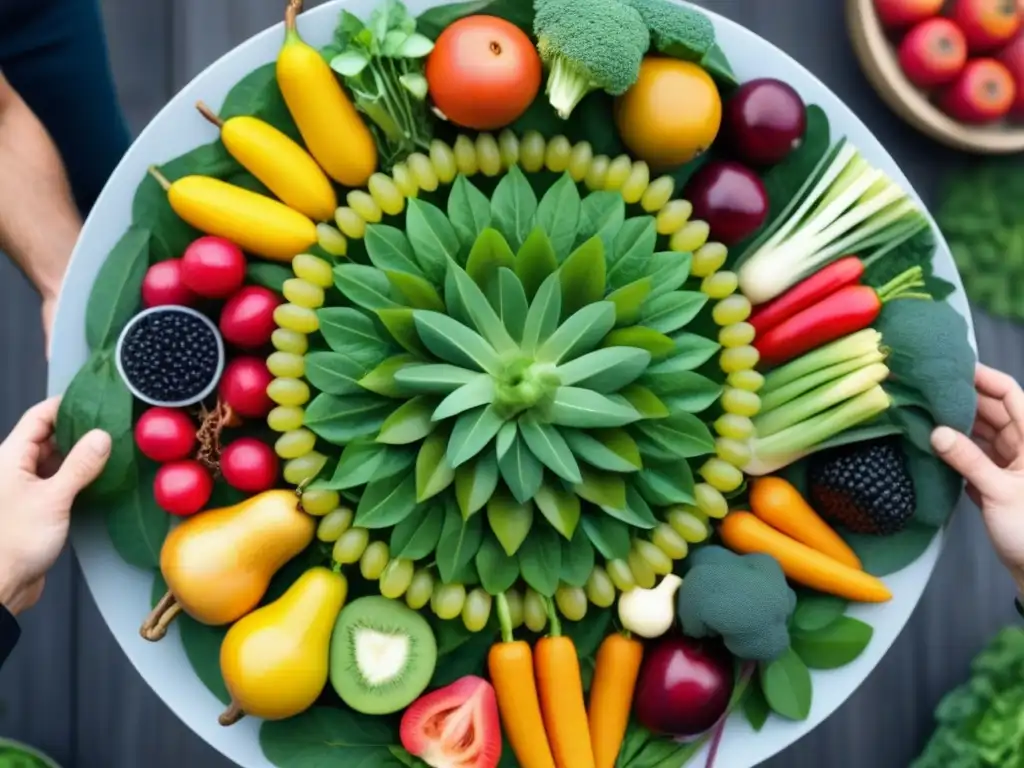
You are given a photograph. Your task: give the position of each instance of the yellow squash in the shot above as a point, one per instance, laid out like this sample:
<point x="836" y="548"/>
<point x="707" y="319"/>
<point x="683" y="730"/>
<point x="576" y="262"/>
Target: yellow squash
<point x="331" y="127"/>
<point x="280" y="163"/>
<point x="218" y="564"/>
<point x="275" y="660"/>
<point x="256" y="223"/>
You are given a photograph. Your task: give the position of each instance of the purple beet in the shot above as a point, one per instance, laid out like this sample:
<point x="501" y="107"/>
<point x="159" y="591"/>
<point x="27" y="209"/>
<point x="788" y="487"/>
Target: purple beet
<point x="763" y="121"/>
<point x="730" y="197"/>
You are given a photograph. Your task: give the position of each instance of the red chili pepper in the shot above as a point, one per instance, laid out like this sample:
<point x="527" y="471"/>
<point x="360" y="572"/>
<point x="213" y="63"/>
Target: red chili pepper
<point x="807" y="293"/>
<point x="846" y="311"/>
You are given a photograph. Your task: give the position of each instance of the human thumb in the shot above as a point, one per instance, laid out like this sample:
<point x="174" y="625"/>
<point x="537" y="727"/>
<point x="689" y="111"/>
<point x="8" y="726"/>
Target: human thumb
<point x="83" y="464"/>
<point x="963" y="455"/>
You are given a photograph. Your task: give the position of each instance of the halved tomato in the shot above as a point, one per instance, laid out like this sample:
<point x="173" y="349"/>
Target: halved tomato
<point x="455" y="727"/>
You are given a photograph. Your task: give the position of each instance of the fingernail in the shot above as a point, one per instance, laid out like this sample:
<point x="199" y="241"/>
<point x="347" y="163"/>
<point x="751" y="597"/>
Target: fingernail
<point x="943" y="439"/>
<point x="98" y="442"/>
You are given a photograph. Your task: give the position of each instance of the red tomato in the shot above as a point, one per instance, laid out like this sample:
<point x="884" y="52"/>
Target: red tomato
<point x="243" y="387"/>
<point x="897" y="14"/>
<point x="1012" y="57"/>
<point x="164" y="285"/>
<point x="987" y="24"/>
<point x="182" y="487"/>
<point x="483" y="73"/>
<point x="933" y="53"/>
<point x="164" y="434"/>
<point x="249" y="465"/>
<point x="457" y="725"/>
<point x="213" y="267"/>
<point x="983" y="92"/>
<point x="247" y="320"/>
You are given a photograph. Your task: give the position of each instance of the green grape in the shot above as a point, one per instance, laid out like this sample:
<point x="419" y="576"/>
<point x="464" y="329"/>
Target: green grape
<point x="386" y="194"/>
<point x="691" y="237"/>
<point x="476" y="611"/>
<point x="738" y="359"/>
<point x="571" y="602"/>
<point x="404" y="180"/>
<point x="285" y="340"/>
<point x="736" y="335"/>
<point x="532" y="149"/>
<point x="303" y="469"/>
<point x="643" y="573"/>
<point x="363" y="204"/>
<point x="331" y="240"/>
<point x="751" y="381"/>
<point x="708" y="259"/>
<point x="442" y="157"/>
<point x="621" y="575"/>
<point x="734" y="427"/>
<point x="618" y="171"/>
<point x="660" y="563"/>
<point x="286" y="365"/>
<point x="320" y="502"/>
<point x="673" y="216"/>
<point x="740" y="402"/>
<point x="447" y="600"/>
<point x="535" y="613"/>
<point x="710" y="501"/>
<point x="488" y="155"/>
<point x="514" y="598"/>
<point x="636" y="183"/>
<point x="288" y="392"/>
<point x="720" y="284"/>
<point x="508" y="145"/>
<point x="465" y="156"/>
<point x="733" y="451"/>
<point x="303" y="293"/>
<point x="350" y="223"/>
<point x="597" y="173"/>
<point x="296" y="318"/>
<point x="420" y="589"/>
<point x="600" y="589"/>
<point x="721" y="474"/>
<point x="657" y="194"/>
<point x="313" y="269"/>
<point x="558" y="154"/>
<point x="396" y="578"/>
<point x="423" y="171"/>
<point x="731" y="309"/>
<point x="285" y="418"/>
<point x="685" y="521"/>
<point x="668" y="540"/>
<point x="579" y="161"/>
<point x="350" y="546"/>
<point x="374" y="560"/>
<point x="296" y="443"/>
<point x="333" y="524"/>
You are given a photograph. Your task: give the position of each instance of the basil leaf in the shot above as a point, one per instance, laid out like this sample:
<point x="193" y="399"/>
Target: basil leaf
<point x="469" y="210"/>
<point x="473" y="394"/>
<point x="629" y="258"/>
<point x="509" y="520"/>
<point x="521" y="470"/>
<point x="513" y="207"/>
<point x="385" y="503"/>
<point x="351" y="333"/>
<point x="340" y="420"/>
<point x="575" y="407"/>
<point x="671" y="311"/>
<point x="509" y="300"/>
<point x="548" y="445"/>
<point x="580" y="333"/>
<point x="583" y="276"/>
<point x="432" y="237"/>
<point x="612" y="449"/>
<point x="409" y="423"/>
<point x="416" y="537"/>
<point x="434" y="472"/>
<point x="498" y="570"/>
<point x="114" y="298"/>
<point x="602" y="213"/>
<point x="460" y="540"/>
<point x="542" y="317"/>
<point x="471" y="434"/>
<point x="609" y="536"/>
<point x="389" y="250"/>
<point x="455" y="343"/>
<point x="559" y="214"/>
<point x="606" y="370"/>
<point x="334" y="373"/>
<point x="364" y="286"/>
<point x="434" y="378"/>
<point x="475" y="483"/>
<point x="540" y="560"/>
<point x="535" y="262"/>
<point x="490" y="253"/>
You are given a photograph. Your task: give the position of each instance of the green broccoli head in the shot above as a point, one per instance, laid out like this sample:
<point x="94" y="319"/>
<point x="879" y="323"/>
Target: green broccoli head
<point x="676" y="31"/>
<point x="744" y="599"/>
<point x="588" y="45"/>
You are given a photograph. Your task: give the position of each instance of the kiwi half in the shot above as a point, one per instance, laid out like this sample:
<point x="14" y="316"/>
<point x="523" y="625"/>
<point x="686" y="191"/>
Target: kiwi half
<point x="383" y="655"/>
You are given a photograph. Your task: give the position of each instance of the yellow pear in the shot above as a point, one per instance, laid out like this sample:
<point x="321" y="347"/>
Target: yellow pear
<point x="275" y="659"/>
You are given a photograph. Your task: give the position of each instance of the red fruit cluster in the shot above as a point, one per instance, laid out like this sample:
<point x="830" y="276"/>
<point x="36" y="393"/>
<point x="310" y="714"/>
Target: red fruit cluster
<point x="971" y="59"/>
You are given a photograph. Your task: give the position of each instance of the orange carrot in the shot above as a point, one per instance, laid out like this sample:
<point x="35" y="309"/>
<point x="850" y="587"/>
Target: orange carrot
<point x="611" y="695"/>
<point x="745" y="533"/>
<point x="561" y="697"/>
<point x="779" y="504"/>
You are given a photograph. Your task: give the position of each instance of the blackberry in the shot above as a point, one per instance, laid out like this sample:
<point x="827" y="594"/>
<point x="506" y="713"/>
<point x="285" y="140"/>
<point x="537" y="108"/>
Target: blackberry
<point x="865" y="487"/>
<point x="170" y="356"/>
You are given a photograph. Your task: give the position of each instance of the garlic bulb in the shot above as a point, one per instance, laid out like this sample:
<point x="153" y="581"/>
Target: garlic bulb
<point x="650" y="612"/>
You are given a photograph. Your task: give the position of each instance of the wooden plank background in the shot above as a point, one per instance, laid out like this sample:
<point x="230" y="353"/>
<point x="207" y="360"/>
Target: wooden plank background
<point x="68" y="689"/>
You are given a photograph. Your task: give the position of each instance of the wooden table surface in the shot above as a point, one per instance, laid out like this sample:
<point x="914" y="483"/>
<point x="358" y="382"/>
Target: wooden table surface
<point x="69" y="690"/>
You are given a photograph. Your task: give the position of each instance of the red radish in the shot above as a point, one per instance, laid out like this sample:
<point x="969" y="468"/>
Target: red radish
<point x="454" y="727"/>
<point x="249" y="465"/>
<point x="165" y="434"/>
<point x="684" y="686"/>
<point x="247" y="319"/>
<point x="898" y="14"/>
<point x="730" y="197"/>
<point x="213" y="267"/>
<point x="987" y="24"/>
<point x="1012" y="57"/>
<point x="763" y="121"/>
<point x="983" y="92"/>
<point x="838" y="274"/>
<point x="933" y="53"/>
<point x="182" y="487"/>
<point x="243" y="387"/>
<point x="164" y="285"/>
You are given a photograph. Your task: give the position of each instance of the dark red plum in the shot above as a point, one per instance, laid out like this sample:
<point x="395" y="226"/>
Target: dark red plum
<point x="763" y="121"/>
<point x="730" y="197"/>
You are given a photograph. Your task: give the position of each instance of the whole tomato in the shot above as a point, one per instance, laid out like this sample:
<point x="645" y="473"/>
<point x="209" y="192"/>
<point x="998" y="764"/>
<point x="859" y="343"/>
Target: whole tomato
<point x="1012" y="57"/>
<point x="483" y="73"/>
<point x="164" y="285"/>
<point x="898" y="14"/>
<point x="164" y="434"/>
<point x="247" y="319"/>
<point x="987" y="24"/>
<point x="213" y="267"/>
<point x="249" y="465"/>
<point x="933" y="53"/>
<point x="983" y="92"/>
<point x="182" y="487"/>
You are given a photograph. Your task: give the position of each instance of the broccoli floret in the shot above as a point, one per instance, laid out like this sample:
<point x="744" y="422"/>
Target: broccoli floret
<point x="744" y="599"/>
<point x="588" y="45"/>
<point x="676" y="31"/>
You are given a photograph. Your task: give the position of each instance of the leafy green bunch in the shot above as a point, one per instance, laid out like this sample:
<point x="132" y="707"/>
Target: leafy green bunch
<point x="513" y="356"/>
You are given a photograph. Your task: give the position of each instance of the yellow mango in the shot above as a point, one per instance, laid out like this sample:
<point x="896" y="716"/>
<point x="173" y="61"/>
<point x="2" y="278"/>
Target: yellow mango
<point x="331" y="128"/>
<point x="275" y="660"/>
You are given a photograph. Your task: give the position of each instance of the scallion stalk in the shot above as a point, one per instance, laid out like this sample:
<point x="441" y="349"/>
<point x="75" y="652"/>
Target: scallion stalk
<point x="794" y="389"/>
<point x="850" y="347"/>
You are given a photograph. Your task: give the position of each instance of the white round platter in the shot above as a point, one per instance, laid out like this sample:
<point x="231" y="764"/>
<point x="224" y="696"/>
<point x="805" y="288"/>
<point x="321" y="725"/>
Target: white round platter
<point x="123" y="593"/>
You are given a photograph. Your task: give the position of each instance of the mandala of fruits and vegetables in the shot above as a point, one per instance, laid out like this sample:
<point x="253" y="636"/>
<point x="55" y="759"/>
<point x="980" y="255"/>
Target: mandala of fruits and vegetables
<point x="494" y="362"/>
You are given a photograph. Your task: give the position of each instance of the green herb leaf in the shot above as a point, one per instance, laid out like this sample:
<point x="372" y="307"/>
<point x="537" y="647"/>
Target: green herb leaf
<point x="416" y="537"/>
<point x="668" y="270"/>
<point x="475" y="393"/>
<point x="389" y="250"/>
<point x="646" y="403"/>
<point x="606" y="370"/>
<point x="490" y="252"/>
<point x="602" y="489"/>
<point x="401" y="324"/>
<point x="381" y="380"/>
<point x="334" y="373"/>
<point x="433" y="239"/>
<point x="498" y="570"/>
<point x="506" y="435"/>
<point x="884" y="555"/>
<point x="396" y="460"/>
<point x="416" y="47"/>
<point x="359" y="460"/>
<point x="350" y="63"/>
<point x="612" y="450"/>
<point x="258" y="94"/>
<point x="542" y="317"/>
<point x="268" y="275"/>
<point x="136" y="524"/>
<point x="548" y="445"/>
<point x="409" y="423"/>
<point x="755" y="706"/>
<point x="114" y="298"/>
<point x="579" y="334"/>
<point x="471" y="434"/>
<point x="560" y="507"/>
<point x="581" y="408"/>
<point x="434" y="472"/>
<point x="583" y="277"/>
<point x="666" y="484"/>
<point x="577" y="559"/>
<point x="521" y="470"/>
<point x="559" y="214"/>
<point x="513" y="207"/>
<point x="201" y="644"/>
<point x="834" y="646"/>
<point x="609" y="536"/>
<point x="325" y="735"/>
<point x="469" y="211"/>
<point x="694" y="393"/>
<point x="540" y="560"/>
<point x="630" y="256"/>
<point x="364" y="286"/>
<point x="629" y="299"/>
<point x="415" y="291"/>
<point x="480" y="312"/>
<point x="535" y="261"/>
<point x="385" y="503"/>
<point x="351" y="333"/>
<point x="459" y="543"/>
<point x="671" y="311"/>
<point x="669" y="376"/>
<point x="455" y="343"/>
<point x="815" y="611"/>
<point x="509" y="300"/>
<point x="657" y="344"/>
<point x="509" y="520"/>
<point x="437" y="379"/>
<point x="340" y="420"/>
<point x="475" y="483"/>
<point x="786" y="683"/>
<point x="636" y="513"/>
<point x="692" y="351"/>
<point x="602" y="214"/>
<point x="681" y="434"/>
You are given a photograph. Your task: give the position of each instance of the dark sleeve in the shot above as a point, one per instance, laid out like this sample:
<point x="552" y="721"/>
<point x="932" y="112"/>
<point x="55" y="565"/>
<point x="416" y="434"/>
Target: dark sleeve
<point x="9" y="634"/>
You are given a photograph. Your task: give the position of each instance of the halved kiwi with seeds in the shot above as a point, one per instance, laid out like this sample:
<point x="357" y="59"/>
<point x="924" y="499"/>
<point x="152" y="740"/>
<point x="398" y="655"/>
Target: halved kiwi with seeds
<point x="383" y="655"/>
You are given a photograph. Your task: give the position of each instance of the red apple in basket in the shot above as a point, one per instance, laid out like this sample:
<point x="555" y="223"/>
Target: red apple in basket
<point x="933" y="53"/>
<point x="987" y="24"/>
<point x="900" y="14"/>
<point x="982" y="93"/>
<point x="1012" y="57"/>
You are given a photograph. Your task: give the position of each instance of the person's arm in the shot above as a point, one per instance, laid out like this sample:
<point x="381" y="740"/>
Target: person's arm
<point x="39" y="222"/>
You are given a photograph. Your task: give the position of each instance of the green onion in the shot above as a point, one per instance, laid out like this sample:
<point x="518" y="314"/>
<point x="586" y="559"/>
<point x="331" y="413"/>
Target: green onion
<point x="782" y="395"/>
<point x="817" y="400"/>
<point x="840" y="351"/>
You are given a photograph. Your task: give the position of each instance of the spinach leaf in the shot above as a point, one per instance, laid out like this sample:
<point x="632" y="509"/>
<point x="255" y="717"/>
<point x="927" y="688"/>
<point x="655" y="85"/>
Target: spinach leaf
<point x="115" y="293"/>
